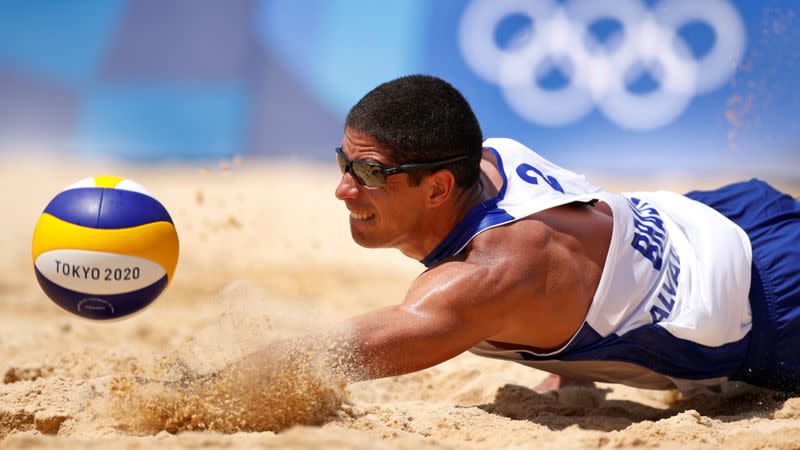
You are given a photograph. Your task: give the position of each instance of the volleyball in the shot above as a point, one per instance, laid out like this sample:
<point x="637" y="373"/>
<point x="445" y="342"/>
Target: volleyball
<point x="104" y="248"/>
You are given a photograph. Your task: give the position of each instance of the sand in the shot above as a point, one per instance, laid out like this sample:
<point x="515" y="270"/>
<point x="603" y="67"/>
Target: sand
<point x="266" y="255"/>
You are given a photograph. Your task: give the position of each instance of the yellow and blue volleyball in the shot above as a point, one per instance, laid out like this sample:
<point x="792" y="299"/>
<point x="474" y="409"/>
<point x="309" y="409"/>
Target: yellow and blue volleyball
<point x="104" y="248"/>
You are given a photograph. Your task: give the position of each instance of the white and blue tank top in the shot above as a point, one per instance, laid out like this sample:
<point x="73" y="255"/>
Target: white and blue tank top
<point x="671" y="308"/>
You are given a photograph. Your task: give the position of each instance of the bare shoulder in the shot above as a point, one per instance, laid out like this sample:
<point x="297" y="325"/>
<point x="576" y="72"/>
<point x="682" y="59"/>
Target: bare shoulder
<point x="452" y="281"/>
<point x="487" y="278"/>
<point x="533" y="278"/>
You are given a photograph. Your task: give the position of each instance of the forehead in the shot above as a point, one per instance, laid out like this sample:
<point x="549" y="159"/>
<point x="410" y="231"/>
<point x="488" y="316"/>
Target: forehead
<point x="357" y="145"/>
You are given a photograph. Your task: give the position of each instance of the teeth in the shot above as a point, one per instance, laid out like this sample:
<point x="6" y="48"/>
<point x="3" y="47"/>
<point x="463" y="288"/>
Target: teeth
<point x="361" y="216"/>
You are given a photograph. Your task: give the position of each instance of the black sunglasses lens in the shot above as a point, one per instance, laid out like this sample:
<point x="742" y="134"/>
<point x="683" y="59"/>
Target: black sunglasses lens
<point x="365" y="174"/>
<point x="342" y="163"/>
<point x="369" y="175"/>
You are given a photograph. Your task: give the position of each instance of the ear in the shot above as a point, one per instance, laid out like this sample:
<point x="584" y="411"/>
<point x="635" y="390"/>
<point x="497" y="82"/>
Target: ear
<point x="440" y="187"/>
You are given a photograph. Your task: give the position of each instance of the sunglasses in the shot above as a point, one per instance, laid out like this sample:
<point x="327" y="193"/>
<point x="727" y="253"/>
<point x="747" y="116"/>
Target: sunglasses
<point x="373" y="174"/>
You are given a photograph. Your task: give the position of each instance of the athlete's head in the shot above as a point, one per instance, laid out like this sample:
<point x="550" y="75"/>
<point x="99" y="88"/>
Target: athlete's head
<point x="421" y="118"/>
<point x="411" y="120"/>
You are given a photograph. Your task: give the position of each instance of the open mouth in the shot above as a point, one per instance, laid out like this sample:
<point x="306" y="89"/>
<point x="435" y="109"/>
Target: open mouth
<point x="359" y="216"/>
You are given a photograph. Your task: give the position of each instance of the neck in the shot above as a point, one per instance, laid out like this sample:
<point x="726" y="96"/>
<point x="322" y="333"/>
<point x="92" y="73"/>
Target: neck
<point x="450" y="215"/>
<point x="467" y="200"/>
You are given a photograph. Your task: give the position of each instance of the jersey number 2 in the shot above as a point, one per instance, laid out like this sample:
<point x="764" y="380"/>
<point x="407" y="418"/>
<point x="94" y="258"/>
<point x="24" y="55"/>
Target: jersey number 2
<point x="523" y="172"/>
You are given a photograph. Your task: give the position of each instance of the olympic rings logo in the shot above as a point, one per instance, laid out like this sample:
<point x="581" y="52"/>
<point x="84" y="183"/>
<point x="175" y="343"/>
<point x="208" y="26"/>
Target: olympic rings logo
<point x="598" y="73"/>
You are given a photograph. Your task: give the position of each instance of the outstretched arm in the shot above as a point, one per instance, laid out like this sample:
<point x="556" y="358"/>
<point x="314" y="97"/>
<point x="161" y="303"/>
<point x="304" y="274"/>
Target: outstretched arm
<point x="445" y="312"/>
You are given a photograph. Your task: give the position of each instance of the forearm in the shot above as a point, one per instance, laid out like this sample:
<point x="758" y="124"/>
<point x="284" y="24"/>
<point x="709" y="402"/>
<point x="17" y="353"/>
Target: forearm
<point x="349" y="353"/>
<point x="393" y="341"/>
<point x="386" y="342"/>
<point x="325" y="354"/>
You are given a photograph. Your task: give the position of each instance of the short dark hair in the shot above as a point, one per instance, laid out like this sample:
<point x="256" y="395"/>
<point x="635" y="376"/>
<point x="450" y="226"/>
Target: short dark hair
<point x="421" y="118"/>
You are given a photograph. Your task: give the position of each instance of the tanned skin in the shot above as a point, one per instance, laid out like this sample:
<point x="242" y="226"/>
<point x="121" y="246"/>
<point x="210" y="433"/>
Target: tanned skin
<point x="524" y="285"/>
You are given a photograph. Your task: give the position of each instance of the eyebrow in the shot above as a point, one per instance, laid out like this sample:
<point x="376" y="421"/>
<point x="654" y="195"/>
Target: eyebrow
<point x="368" y="158"/>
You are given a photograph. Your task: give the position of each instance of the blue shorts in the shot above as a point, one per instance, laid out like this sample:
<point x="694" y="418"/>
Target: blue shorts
<point x="772" y="221"/>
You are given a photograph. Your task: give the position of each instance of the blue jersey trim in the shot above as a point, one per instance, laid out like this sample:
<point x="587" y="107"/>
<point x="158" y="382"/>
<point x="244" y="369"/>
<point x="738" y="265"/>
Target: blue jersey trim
<point x="107" y="208"/>
<point x="655" y="348"/>
<point x="502" y="194"/>
<point x="479" y="218"/>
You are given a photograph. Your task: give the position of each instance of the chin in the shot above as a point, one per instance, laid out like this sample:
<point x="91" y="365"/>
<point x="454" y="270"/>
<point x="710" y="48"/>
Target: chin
<point x="365" y="240"/>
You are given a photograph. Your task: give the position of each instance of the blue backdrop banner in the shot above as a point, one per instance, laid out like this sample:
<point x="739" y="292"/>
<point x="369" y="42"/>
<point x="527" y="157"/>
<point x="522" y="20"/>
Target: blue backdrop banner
<point x="631" y="85"/>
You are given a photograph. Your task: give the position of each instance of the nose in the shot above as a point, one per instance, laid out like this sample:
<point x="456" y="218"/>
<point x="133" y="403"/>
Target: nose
<point x="347" y="188"/>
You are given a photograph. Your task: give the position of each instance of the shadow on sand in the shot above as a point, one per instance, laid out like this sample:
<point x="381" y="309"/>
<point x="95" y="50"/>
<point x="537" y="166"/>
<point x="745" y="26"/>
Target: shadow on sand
<point x="589" y="408"/>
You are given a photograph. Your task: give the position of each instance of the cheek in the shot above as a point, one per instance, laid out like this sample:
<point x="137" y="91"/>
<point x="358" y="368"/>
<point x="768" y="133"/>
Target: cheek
<point x="404" y="210"/>
<point x="398" y="204"/>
